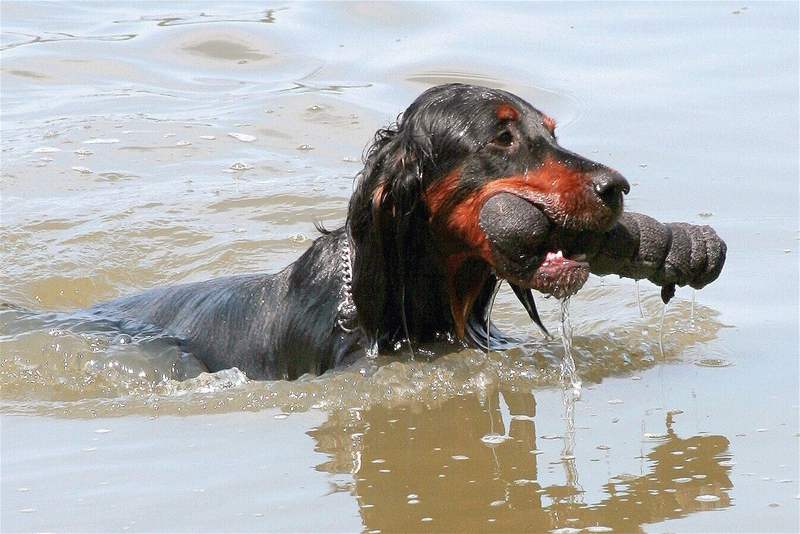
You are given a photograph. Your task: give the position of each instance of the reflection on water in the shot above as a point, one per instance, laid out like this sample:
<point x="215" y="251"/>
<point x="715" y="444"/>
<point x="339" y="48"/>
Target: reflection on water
<point x="418" y="469"/>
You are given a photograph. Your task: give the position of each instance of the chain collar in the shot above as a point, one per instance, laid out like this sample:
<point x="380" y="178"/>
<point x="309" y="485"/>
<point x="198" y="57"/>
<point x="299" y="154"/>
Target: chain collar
<point x="346" y="315"/>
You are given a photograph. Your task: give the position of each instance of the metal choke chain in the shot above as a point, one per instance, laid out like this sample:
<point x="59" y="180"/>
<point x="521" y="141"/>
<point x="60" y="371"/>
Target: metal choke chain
<point x="346" y="310"/>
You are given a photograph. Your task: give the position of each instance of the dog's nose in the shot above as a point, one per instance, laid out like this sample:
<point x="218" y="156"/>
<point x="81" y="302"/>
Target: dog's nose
<point x="610" y="186"/>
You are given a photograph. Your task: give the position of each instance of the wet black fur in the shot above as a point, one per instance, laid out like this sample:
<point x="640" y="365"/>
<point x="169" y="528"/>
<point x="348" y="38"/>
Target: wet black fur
<point x="285" y="325"/>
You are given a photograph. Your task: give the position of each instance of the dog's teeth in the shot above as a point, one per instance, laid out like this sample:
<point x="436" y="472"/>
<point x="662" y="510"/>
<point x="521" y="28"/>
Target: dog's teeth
<point x="559" y="254"/>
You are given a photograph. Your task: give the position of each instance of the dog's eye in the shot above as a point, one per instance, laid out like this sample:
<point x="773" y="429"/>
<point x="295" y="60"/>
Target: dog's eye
<point x="505" y="139"/>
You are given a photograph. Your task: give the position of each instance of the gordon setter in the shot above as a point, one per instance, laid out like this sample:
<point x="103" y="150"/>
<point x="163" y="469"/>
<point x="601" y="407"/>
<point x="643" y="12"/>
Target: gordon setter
<point x="470" y="187"/>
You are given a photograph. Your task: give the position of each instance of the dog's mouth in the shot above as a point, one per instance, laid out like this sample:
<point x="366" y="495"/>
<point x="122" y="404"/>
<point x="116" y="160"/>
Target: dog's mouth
<point x="528" y="250"/>
<point x="525" y="251"/>
<point x="558" y="275"/>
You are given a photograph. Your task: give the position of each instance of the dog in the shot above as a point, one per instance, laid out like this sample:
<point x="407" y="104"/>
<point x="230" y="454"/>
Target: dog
<point x="468" y="188"/>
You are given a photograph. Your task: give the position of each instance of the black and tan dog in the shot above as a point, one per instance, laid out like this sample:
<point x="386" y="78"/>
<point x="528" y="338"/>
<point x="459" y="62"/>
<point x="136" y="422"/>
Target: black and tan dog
<point x="468" y="188"/>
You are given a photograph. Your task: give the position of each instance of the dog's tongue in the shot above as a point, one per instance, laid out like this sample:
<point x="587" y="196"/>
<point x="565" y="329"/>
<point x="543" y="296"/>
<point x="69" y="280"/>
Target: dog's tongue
<point x="553" y="256"/>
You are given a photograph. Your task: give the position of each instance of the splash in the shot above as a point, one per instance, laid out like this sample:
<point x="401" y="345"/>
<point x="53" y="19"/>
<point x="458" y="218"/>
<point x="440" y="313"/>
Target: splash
<point x="54" y="366"/>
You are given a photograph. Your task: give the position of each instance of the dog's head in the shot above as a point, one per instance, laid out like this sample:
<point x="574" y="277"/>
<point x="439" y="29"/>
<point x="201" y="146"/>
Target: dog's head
<point x="478" y="175"/>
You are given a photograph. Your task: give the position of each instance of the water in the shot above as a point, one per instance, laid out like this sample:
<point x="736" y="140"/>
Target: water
<point x="119" y="173"/>
<point x="569" y="373"/>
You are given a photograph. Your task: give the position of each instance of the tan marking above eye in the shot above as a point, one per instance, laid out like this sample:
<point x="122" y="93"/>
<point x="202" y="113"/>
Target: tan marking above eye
<point x="506" y="112"/>
<point x="549" y="123"/>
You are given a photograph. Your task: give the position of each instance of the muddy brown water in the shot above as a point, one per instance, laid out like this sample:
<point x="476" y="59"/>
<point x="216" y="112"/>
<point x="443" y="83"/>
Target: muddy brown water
<point x="152" y="143"/>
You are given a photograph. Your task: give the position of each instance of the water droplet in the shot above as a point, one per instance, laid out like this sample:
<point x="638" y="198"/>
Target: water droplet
<point x="459" y="457"/>
<point x="239" y="166"/>
<point x="706" y="498"/>
<point x="208" y="137"/>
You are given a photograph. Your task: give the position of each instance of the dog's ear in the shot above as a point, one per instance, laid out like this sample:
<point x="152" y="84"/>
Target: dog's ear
<point x="385" y="213"/>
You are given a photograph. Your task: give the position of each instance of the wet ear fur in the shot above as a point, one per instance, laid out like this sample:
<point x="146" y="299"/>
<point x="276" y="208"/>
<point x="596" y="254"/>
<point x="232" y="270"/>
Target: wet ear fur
<point x="385" y="215"/>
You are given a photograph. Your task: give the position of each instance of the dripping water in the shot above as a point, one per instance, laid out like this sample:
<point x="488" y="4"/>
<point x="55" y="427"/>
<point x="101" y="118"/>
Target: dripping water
<point x="570" y="393"/>
<point x="691" y="313"/>
<point x="639" y="300"/>
<point x="568" y="398"/>
<point x="661" y="330"/>
<point x="568" y="371"/>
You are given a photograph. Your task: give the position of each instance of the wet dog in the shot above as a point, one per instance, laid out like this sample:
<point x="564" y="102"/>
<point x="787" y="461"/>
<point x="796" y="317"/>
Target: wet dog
<point x="470" y="187"/>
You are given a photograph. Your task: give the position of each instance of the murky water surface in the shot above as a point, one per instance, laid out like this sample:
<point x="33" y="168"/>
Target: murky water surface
<point x="153" y="143"/>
